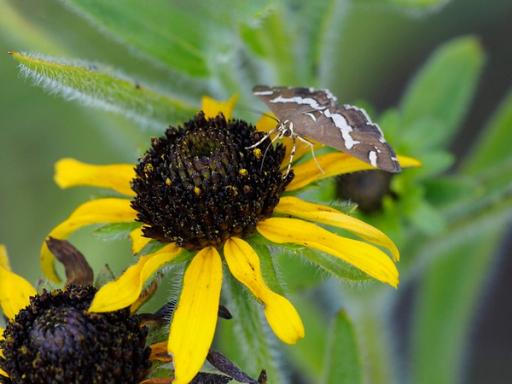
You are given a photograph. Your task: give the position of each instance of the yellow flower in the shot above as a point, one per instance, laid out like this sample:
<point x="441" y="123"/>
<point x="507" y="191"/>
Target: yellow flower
<point x="50" y="336"/>
<point x="187" y="164"/>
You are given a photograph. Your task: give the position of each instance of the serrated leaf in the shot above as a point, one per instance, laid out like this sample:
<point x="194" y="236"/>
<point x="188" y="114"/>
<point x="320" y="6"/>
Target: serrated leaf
<point x="442" y="90"/>
<point x="185" y="35"/>
<point x="98" y="86"/>
<point x="342" y="357"/>
<point x="115" y="231"/>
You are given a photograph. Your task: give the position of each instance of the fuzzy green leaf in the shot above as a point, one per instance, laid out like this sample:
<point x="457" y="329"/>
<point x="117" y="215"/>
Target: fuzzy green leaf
<point x="115" y="231"/>
<point x="185" y="35"/>
<point x="255" y="343"/>
<point x="342" y="357"/>
<point x="328" y="263"/>
<point x="442" y="91"/>
<point x="100" y="87"/>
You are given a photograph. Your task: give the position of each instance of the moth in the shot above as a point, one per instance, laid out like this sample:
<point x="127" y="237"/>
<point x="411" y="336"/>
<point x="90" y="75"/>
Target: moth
<point x="309" y="113"/>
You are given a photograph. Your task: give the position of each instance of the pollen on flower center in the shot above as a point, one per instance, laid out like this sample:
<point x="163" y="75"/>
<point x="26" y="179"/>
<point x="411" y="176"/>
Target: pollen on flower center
<point x="55" y="340"/>
<point x="200" y="184"/>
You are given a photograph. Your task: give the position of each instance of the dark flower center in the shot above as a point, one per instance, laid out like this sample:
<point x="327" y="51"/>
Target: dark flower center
<point x="55" y="340"/>
<point x="200" y="184"/>
<point x="366" y="188"/>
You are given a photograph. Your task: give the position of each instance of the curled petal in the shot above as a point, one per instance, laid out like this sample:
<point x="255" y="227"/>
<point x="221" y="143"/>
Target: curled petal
<point x="4" y="258"/>
<point x="244" y="264"/>
<point x="124" y="291"/>
<point x="74" y="173"/>
<point x="363" y="256"/>
<point x="333" y="164"/>
<point x="138" y="240"/>
<point x="100" y="211"/>
<point x="294" y="206"/>
<point x="212" y="107"/>
<point x="193" y="325"/>
<point x="15" y="293"/>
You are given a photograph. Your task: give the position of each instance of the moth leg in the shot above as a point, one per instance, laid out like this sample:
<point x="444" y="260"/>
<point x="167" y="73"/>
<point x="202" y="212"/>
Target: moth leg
<point x="312" y="147"/>
<point x="292" y="155"/>
<point x="278" y="137"/>
<point x="267" y="135"/>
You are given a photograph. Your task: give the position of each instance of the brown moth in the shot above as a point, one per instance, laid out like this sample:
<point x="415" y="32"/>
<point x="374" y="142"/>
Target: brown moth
<point x="307" y="112"/>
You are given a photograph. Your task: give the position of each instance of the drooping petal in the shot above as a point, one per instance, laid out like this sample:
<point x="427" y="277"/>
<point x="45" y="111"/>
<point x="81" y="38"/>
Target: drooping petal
<point x="138" y="240"/>
<point x="289" y="205"/>
<point x="333" y="164"/>
<point x="124" y="291"/>
<point x="195" y="319"/>
<point x="74" y="173"/>
<point x="212" y="107"/>
<point x="100" y="211"/>
<point x="4" y="258"/>
<point x="244" y="264"/>
<point x="363" y="256"/>
<point x="15" y="293"/>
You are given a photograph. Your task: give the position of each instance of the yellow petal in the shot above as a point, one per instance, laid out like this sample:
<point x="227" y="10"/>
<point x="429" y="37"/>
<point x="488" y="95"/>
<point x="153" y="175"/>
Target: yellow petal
<point x="2" y="372"/>
<point x="244" y="264"/>
<point x="4" y="258"/>
<point x="100" y="211"/>
<point x="193" y="325"/>
<point x="212" y="107"/>
<point x="363" y="256"/>
<point x="73" y="173"/>
<point x="333" y="164"/>
<point x="268" y="121"/>
<point x="15" y="293"/>
<point x="294" y="206"/>
<point x="138" y="240"/>
<point x="124" y="291"/>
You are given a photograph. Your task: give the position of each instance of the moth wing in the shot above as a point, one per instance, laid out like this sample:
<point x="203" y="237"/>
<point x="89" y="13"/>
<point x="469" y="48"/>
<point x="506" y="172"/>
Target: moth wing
<point x="289" y="102"/>
<point x="350" y="130"/>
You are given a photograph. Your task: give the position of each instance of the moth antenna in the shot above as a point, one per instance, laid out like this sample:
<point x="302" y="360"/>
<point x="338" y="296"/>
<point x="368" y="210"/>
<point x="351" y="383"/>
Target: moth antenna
<point x="259" y="112"/>
<point x="312" y="147"/>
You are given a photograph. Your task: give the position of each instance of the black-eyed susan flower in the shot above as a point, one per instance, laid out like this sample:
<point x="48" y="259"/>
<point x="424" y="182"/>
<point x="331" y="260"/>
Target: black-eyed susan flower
<point x="202" y="188"/>
<point x="52" y="338"/>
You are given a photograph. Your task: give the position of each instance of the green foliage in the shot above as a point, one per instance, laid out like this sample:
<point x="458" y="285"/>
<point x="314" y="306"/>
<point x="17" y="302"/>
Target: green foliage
<point x="447" y="224"/>
<point x="115" y="231"/>
<point x="447" y="300"/>
<point x="185" y="36"/>
<point x="254" y="341"/>
<point x="100" y="87"/>
<point x="438" y="99"/>
<point x="342" y="357"/>
<point x="492" y="147"/>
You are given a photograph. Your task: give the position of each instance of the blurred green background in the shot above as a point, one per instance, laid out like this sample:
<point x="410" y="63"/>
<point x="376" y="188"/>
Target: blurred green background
<point x="381" y="49"/>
